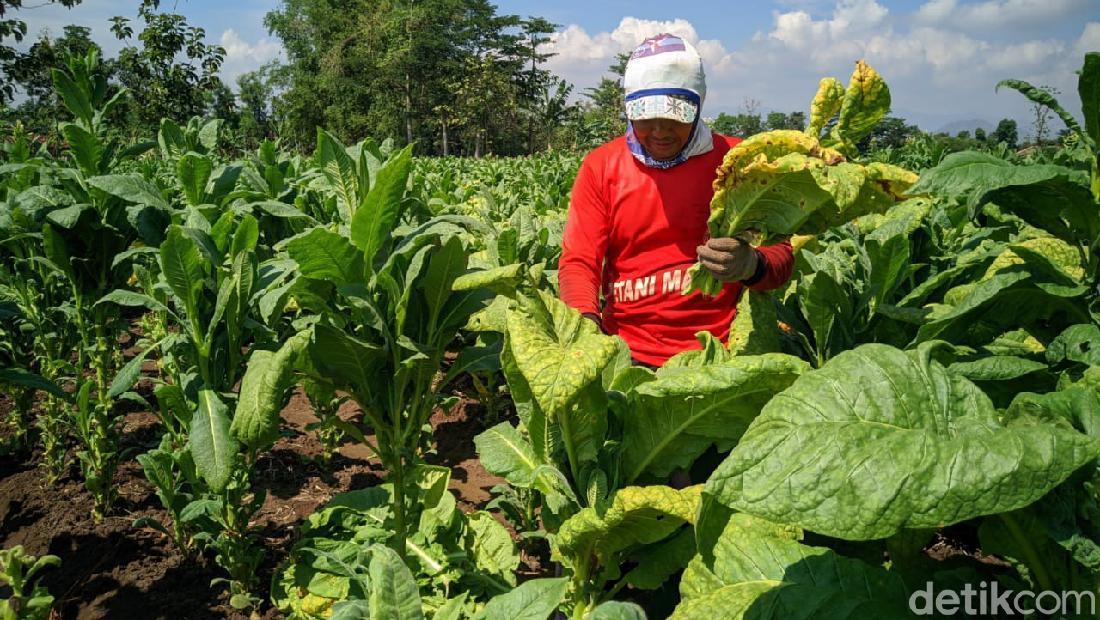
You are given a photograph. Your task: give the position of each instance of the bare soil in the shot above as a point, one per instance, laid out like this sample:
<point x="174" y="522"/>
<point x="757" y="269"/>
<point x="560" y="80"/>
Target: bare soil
<point x="114" y="570"/>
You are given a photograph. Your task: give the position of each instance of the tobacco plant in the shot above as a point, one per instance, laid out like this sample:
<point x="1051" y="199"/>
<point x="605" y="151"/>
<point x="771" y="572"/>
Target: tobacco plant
<point x="19" y="571"/>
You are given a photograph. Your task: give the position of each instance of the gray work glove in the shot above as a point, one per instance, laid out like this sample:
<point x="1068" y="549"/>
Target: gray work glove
<point x="730" y="259"/>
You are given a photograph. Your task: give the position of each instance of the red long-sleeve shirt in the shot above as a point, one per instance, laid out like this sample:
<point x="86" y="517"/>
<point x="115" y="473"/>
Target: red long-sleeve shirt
<point x="631" y="233"/>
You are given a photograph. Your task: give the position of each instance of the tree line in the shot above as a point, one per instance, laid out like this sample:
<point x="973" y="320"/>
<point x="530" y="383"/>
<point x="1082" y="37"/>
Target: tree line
<point x="454" y="77"/>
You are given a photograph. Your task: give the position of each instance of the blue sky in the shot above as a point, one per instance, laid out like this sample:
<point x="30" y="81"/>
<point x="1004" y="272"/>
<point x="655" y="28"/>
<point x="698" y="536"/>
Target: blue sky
<point x="941" y="58"/>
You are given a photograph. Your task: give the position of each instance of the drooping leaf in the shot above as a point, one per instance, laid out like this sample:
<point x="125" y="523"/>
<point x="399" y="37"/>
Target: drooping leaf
<point x="25" y="378"/>
<point x="635" y="516"/>
<point x="264" y="392"/>
<point x="1043" y="98"/>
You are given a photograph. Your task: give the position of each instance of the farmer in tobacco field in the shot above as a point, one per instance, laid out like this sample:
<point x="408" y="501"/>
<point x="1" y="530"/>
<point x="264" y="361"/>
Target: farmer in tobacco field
<point x="638" y="217"/>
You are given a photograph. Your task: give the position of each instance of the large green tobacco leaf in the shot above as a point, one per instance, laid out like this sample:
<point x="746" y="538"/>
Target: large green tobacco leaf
<point x="393" y="592"/>
<point x="880" y="440"/>
<point x="193" y="171"/>
<point x="325" y="255"/>
<point x="376" y="215"/>
<point x="558" y="351"/>
<point x="339" y="169"/>
<point x="346" y="360"/>
<point x="212" y="445"/>
<point x="131" y="188"/>
<point x="263" y="392"/>
<point x="1054" y="198"/>
<point x="532" y="600"/>
<point x="635" y="516"/>
<point x="761" y="571"/>
<point x="182" y="266"/>
<point x="970" y="175"/>
<point x="505" y="452"/>
<point x="676" y="417"/>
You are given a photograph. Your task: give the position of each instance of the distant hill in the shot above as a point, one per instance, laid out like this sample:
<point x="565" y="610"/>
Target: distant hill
<point x="955" y="127"/>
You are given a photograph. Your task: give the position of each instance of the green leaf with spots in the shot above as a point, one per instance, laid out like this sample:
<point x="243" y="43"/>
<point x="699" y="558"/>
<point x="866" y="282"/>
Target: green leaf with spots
<point x="558" y="351"/>
<point x="635" y="516"/>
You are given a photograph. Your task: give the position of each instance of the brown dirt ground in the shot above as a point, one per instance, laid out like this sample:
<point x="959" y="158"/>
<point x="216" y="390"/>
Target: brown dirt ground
<point x="113" y="570"/>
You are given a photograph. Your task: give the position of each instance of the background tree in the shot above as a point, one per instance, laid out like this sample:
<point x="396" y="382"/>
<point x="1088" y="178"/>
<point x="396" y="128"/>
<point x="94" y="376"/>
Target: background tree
<point x="450" y="75"/>
<point x="779" y="120"/>
<point x="14" y="29"/>
<point x="890" y="132"/>
<point x="1041" y="116"/>
<point x="604" y="115"/>
<point x="173" y="69"/>
<point x="29" y="73"/>
<point x="255" y="90"/>
<point x="1006" y="131"/>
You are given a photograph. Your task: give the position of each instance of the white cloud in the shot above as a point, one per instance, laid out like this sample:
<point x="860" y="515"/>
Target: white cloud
<point x="997" y="14"/>
<point x="940" y="62"/>
<point x="242" y="56"/>
<point x="582" y="57"/>
<point x="1089" y="41"/>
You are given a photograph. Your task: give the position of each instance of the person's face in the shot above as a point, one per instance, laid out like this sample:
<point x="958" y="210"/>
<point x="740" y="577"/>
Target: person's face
<point x="663" y="138"/>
